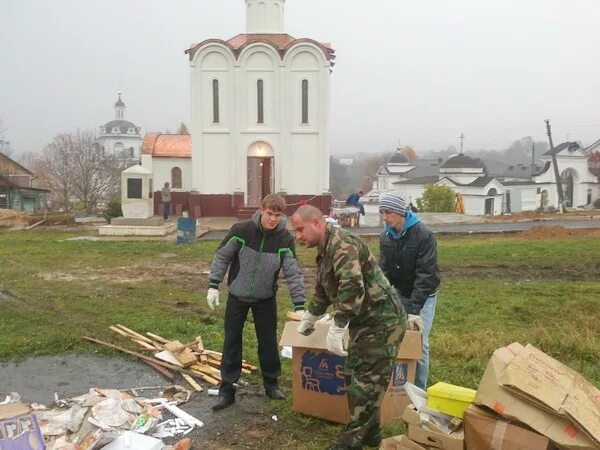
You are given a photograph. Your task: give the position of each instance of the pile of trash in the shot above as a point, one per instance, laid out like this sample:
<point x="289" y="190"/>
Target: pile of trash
<point x="346" y="216"/>
<point x="526" y="399"/>
<point x="101" y="418"/>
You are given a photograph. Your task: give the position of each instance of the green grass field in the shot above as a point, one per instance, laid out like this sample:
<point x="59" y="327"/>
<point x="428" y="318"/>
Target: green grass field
<point x="495" y="290"/>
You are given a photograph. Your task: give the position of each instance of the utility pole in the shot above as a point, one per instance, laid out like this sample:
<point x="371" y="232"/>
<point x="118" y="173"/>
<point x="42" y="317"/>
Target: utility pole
<point x="556" y="174"/>
<point x="462" y="138"/>
<point x="532" y="157"/>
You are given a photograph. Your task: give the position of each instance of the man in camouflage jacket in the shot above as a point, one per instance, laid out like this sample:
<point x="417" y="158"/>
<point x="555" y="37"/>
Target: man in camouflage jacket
<point x="363" y="301"/>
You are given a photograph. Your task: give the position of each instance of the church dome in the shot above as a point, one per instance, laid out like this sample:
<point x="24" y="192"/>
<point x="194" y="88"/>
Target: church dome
<point x="398" y="158"/>
<point x="461" y="161"/>
<point x="122" y="126"/>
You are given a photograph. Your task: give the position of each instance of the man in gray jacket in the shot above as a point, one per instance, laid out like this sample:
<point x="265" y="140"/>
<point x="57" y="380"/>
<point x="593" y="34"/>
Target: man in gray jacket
<point x="255" y="251"/>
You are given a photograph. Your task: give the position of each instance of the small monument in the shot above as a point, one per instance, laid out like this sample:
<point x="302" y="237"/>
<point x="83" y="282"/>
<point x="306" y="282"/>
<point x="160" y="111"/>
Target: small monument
<point x="136" y="193"/>
<point x="138" y="208"/>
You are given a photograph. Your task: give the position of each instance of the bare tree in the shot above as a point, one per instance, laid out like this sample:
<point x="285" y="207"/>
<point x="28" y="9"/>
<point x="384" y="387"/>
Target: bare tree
<point x="78" y="171"/>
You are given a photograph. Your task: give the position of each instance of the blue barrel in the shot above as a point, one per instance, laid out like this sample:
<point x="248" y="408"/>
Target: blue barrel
<point x="186" y="230"/>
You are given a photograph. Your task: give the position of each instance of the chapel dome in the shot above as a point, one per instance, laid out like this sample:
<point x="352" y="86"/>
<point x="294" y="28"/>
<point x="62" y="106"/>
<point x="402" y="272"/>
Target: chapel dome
<point x="461" y="161"/>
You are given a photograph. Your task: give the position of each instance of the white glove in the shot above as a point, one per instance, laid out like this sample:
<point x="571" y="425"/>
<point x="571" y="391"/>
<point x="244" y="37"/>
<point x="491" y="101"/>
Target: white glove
<point x="335" y="340"/>
<point x="307" y="324"/>
<point x="212" y="298"/>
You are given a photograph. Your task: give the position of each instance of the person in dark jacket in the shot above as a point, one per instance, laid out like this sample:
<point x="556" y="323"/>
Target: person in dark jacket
<point x="255" y="251"/>
<point x="408" y="257"/>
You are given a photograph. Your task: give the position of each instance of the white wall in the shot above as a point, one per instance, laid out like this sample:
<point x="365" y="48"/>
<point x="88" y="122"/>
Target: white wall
<point x="219" y="150"/>
<point x="162" y="172"/>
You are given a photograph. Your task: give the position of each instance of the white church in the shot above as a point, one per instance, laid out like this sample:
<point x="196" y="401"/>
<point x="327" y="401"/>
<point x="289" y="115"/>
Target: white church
<point x="120" y="136"/>
<point x="259" y="121"/>
<point x="492" y="188"/>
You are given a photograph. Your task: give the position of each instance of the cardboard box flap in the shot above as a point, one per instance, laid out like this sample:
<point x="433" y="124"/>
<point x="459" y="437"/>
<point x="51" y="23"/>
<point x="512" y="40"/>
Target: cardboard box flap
<point x="400" y="443"/>
<point x="558" y="428"/>
<point x="541" y="379"/>
<point x="411" y="346"/>
<point x="316" y="339"/>
<point x="13" y="410"/>
<point x="485" y="429"/>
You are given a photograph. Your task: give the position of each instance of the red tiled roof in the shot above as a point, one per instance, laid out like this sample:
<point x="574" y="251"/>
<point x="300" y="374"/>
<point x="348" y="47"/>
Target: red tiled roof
<point x="167" y="145"/>
<point x="280" y="41"/>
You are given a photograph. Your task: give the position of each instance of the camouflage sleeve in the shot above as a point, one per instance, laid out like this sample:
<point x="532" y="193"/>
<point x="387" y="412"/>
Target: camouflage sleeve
<point x="320" y="302"/>
<point x="351" y="288"/>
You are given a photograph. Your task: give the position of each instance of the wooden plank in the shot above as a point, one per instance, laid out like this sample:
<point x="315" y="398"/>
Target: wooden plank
<point x="139" y="336"/>
<point x="206" y="377"/>
<point x="156" y="337"/>
<point x="168" y="357"/>
<point x="144" y="344"/>
<point x="164" y="372"/>
<point x="192" y="382"/>
<point x="121" y="332"/>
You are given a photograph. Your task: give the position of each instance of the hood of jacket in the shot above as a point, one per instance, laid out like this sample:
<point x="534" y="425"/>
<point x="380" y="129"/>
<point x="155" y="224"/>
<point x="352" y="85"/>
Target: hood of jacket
<point x="280" y="226"/>
<point x="411" y="220"/>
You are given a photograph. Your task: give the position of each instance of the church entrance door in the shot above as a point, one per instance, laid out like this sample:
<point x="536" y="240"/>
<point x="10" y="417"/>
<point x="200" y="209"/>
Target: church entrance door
<point x="260" y="172"/>
<point x="260" y="179"/>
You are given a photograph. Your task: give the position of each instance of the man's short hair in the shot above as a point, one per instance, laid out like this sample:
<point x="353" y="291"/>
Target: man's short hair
<point x="274" y="202"/>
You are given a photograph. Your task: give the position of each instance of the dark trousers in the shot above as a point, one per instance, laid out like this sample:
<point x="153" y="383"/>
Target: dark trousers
<point x="166" y="209"/>
<point x="264" y="313"/>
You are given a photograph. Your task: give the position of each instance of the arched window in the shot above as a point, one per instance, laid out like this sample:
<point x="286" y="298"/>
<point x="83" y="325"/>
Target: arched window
<point x="118" y="148"/>
<point x="260" y="102"/>
<point x="492" y="192"/>
<point x="215" y="89"/>
<point x="304" y="101"/>
<point x="176" y="178"/>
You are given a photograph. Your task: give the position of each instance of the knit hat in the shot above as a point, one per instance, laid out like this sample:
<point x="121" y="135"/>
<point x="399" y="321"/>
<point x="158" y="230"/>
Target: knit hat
<point x="393" y="203"/>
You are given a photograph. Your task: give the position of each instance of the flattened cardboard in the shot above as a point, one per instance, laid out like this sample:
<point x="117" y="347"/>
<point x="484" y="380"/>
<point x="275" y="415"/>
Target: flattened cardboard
<point x="542" y="380"/>
<point x="400" y="442"/>
<point x="19" y="429"/>
<point x="318" y="384"/>
<point x="485" y="430"/>
<point x="504" y="402"/>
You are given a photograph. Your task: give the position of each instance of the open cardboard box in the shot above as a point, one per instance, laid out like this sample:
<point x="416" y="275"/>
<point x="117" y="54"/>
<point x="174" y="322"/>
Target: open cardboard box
<point x="431" y="438"/>
<point x="318" y="384"/>
<point x="400" y="443"/>
<point x="491" y="393"/>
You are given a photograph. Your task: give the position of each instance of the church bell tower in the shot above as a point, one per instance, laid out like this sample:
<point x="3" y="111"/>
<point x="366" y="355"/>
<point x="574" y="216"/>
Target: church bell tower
<point x="264" y="16"/>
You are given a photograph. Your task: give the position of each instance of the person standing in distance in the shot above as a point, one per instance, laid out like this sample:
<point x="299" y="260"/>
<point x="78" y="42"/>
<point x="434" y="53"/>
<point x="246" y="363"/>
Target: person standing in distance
<point x="166" y="200"/>
<point x="408" y="257"/>
<point x="255" y="251"/>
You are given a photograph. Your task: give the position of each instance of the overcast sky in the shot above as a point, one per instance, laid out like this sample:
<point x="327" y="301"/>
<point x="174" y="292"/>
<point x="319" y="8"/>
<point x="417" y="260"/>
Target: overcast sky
<point x="414" y="72"/>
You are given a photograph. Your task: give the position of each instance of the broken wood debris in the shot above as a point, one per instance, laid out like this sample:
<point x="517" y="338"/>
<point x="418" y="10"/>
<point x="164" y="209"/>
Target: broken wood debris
<point x="191" y="360"/>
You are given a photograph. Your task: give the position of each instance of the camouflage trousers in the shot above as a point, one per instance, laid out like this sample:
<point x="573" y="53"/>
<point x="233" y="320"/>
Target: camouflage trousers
<point x="369" y="363"/>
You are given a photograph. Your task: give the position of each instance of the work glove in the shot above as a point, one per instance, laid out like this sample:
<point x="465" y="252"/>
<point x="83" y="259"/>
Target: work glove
<point x="212" y="298"/>
<point x="307" y="324"/>
<point x="335" y="340"/>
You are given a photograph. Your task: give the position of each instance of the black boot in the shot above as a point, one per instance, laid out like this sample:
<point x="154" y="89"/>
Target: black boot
<point x="373" y="439"/>
<point x="225" y="399"/>
<point x="274" y="392"/>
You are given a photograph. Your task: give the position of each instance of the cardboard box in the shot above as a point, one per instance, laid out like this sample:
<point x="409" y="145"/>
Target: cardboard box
<point x="557" y="428"/>
<point x="19" y="429"/>
<point x="318" y="383"/>
<point x="450" y="399"/>
<point x="544" y="381"/>
<point x="485" y="430"/>
<point x="400" y="443"/>
<point x="434" y="439"/>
